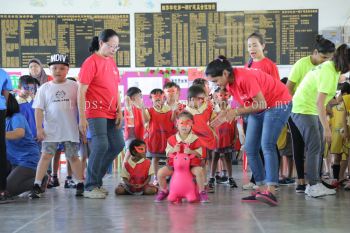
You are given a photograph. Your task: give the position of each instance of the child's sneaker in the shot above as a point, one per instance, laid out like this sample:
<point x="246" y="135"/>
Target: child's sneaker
<point x="267" y="198"/>
<point x="35" y="192"/>
<point x="161" y="196"/>
<point x="80" y="190"/>
<point x="69" y="184"/>
<point x="94" y="194"/>
<point x="300" y="188"/>
<point x="232" y="183"/>
<point x="211" y="185"/>
<point x="53" y="182"/>
<point x="203" y="197"/>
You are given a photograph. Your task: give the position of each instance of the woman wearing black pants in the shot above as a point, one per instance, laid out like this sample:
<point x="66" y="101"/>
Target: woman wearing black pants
<point x="323" y="51"/>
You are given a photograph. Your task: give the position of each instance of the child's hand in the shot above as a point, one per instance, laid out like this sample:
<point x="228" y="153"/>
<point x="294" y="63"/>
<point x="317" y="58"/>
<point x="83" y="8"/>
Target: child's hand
<point x="40" y="134"/>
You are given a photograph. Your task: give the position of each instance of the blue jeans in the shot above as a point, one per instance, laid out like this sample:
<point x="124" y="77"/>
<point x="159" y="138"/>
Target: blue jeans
<point x="106" y="143"/>
<point x="263" y="131"/>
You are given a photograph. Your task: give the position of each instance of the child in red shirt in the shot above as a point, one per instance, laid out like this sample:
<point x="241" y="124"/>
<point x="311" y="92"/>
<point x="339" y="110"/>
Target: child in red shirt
<point x="256" y="45"/>
<point x="185" y="141"/>
<point x="160" y="119"/>
<point x="137" y="172"/>
<point x="227" y="134"/>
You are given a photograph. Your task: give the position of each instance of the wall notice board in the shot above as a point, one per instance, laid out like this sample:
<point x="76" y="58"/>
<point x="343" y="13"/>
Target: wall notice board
<point x="26" y="36"/>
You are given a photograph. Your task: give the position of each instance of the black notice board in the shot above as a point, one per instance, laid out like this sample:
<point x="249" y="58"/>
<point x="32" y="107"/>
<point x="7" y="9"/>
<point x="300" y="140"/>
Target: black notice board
<point x="26" y="36"/>
<point x="196" y="38"/>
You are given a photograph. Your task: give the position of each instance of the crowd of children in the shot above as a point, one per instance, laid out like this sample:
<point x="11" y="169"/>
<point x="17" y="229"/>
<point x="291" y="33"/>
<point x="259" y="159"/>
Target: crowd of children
<point x="45" y="117"/>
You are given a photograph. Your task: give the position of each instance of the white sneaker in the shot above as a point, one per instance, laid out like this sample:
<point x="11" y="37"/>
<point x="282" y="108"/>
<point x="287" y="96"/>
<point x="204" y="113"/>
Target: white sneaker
<point x="316" y="190"/>
<point x="329" y="191"/>
<point x="94" y="194"/>
<point x="250" y="186"/>
<point x="104" y="191"/>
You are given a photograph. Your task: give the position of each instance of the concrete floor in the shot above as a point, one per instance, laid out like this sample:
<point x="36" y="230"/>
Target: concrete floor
<point x="60" y="211"/>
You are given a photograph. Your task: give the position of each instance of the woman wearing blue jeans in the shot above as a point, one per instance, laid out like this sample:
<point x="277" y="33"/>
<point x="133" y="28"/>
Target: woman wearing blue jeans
<point x="268" y="105"/>
<point x="100" y="110"/>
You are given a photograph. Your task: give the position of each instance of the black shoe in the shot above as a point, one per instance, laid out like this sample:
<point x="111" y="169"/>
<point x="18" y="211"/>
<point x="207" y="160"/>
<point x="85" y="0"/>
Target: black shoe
<point x="267" y="198"/>
<point x="251" y="198"/>
<point x="5" y="197"/>
<point x="223" y="180"/>
<point x="36" y="192"/>
<point x="53" y="182"/>
<point x="211" y="185"/>
<point x="69" y="184"/>
<point x="232" y="183"/>
<point x="300" y="188"/>
<point x="80" y="190"/>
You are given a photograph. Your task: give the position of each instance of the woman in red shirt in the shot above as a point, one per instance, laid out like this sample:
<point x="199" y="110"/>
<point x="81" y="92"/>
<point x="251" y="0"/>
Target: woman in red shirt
<point x="100" y="109"/>
<point x="268" y="105"/>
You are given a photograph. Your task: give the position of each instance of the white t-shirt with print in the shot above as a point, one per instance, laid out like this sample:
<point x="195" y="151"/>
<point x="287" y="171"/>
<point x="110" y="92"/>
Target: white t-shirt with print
<point x="59" y="102"/>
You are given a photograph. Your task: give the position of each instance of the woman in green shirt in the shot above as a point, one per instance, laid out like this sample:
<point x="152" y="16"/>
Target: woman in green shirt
<point x="323" y="51"/>
<point x="309" y="113"/>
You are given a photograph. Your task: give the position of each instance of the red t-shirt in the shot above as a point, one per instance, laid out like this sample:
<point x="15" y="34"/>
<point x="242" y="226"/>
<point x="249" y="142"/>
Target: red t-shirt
<point x="160" y="129"/>
<point x="102" y="76"/>
<point x="249" y="82"/>
<point x="267" y="66"/>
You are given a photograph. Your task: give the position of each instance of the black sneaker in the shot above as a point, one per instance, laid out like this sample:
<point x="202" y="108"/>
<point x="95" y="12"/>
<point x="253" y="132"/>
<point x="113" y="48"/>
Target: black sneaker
<point x="232" y="183"/>
<point x="300" y="188"/>
<point x="53" y="182"/>
<point x="80" y="190"/>
<point x="5" y="197"/>
<point x="267" y="198"/>
<point x="286" y="181"/>
<point x="211" y="185"/>
<point x="251" y="198"/>
<point x="69" y="184"/>
<point x="223" y="180"/>
<point x="36" y="192"/>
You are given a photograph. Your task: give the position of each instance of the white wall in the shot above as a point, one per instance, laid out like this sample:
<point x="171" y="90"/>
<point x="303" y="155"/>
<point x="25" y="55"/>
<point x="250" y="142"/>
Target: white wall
<point x="332" y="13"/>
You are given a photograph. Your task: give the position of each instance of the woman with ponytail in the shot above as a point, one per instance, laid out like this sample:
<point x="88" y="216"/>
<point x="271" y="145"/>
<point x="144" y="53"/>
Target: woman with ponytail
<point x="317" y="88"/>
<point x="323" y="51"/>
<point x="100" y="110"/>
<point x="267" y="103"/>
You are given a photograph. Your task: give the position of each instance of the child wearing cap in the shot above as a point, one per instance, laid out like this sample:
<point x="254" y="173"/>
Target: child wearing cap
<point x="58" y="100"/>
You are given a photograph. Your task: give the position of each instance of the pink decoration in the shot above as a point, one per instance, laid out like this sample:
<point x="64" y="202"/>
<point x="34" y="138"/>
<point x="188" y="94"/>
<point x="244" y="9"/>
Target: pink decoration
<point x="182" y="181"/>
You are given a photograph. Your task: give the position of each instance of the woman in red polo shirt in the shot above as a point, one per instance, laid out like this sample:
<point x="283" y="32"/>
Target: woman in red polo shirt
<point x="268" y="105"/>
<point x="100" y="110"/>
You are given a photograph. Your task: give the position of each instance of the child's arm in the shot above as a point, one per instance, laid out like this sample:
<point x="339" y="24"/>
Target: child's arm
<point x="126" y="181"/>
<point x="145" y="114"/>
<point x="15" y="134"/>
<point x="144" y="183"/>
<point x="39" y="116"/>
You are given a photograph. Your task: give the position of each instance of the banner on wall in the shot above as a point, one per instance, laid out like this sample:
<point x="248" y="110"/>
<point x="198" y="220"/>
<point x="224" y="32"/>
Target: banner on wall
<point x="14" y="76"/>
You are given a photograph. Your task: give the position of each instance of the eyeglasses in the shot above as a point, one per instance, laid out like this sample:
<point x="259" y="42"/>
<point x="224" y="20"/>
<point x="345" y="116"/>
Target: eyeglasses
<point x="116" y="48"/>
<point x="140" y="149"/>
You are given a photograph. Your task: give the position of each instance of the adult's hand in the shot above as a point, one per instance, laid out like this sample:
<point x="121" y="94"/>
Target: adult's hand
<point x="83" y="125"/>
